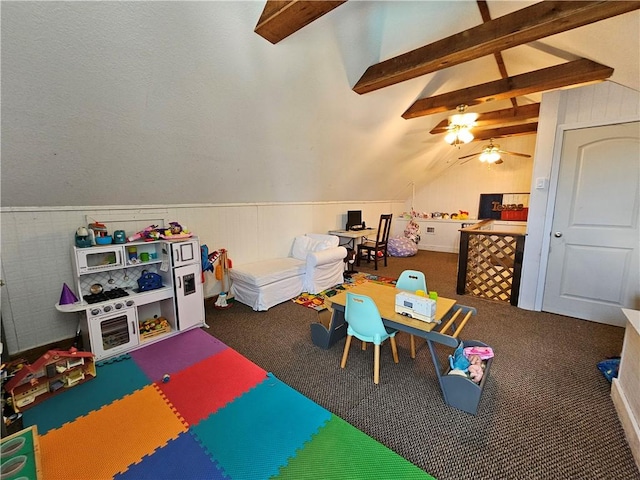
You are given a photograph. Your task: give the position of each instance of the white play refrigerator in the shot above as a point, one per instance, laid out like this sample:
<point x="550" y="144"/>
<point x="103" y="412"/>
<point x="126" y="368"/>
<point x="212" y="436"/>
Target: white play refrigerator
<point x="187" y="280"/>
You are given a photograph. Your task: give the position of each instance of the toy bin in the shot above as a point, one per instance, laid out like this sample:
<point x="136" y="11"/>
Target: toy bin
<point x="461" y="392"/>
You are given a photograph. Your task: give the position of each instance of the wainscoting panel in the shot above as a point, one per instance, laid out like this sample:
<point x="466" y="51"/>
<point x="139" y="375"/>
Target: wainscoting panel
<point x="37" y="241"/>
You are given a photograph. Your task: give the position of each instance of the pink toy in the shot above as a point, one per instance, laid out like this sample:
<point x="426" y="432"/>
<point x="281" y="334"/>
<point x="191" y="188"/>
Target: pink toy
<point x="485" y="353"/>
<point x="143" y="234"/>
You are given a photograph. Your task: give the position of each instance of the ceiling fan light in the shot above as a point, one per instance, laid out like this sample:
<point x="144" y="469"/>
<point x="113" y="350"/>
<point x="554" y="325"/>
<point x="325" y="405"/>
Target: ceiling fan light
<point x="493" y="157"/>
<point x="451" y="137"/>
<point x="465" y="135"/>
<point x="468" y="119"/>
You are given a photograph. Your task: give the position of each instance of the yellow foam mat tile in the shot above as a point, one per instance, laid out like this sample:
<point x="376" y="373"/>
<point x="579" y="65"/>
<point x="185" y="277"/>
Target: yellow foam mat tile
<point x="128" y="429"/>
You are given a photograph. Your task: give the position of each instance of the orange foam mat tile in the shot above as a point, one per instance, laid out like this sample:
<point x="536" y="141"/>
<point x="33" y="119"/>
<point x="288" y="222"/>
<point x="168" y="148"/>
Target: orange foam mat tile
<point x="107" y="441"/>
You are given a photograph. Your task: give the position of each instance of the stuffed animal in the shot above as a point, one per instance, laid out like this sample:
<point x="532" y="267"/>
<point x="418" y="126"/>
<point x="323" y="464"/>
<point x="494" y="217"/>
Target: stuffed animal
<point x="412" y="231"/>
<point x="475" y="372"/>
<point x="458" y="361"/>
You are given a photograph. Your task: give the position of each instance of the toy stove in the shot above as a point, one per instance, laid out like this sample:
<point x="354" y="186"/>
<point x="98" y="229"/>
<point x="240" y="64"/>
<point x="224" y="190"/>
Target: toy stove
<point x="105" y="295"/>
<point x="112" y="324"/>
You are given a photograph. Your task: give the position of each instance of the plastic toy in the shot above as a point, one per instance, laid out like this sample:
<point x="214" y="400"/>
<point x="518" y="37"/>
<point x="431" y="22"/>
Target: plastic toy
<point x="145" y="234"/>
<point x="53" y="372"/>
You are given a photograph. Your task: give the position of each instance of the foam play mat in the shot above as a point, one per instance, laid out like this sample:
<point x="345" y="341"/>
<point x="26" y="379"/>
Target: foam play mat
<point x="189" y="407"/>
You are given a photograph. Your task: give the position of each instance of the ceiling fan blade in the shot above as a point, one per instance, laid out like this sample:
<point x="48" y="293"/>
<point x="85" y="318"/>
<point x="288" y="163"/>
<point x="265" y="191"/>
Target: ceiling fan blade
<point x="498" y="162"/>
<point x="466" y="161"/>
<point x="469" y="156"/>
<point x="516" y="154"/>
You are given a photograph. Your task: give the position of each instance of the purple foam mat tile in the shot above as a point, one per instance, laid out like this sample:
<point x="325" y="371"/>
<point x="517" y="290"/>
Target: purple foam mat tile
<point x="176" y="353"/>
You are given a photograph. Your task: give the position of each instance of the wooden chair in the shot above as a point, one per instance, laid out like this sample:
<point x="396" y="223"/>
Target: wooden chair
<point x="412" y="281"/>
<point x="364" y="323"/>
<point x="370" y="247"/>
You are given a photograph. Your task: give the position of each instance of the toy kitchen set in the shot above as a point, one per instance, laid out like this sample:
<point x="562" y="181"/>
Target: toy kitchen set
<point x="136" y="290"/>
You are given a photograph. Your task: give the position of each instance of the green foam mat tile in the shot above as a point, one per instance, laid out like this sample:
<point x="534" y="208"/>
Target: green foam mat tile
<point x="339" y="450"/>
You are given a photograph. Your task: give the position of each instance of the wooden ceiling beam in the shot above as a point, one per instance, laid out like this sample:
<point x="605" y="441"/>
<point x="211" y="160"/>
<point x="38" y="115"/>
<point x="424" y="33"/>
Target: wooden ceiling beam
<point x="281" y="18"/>
<point x="523" y="114"/>
<point x="510" y="131"/>
<point x="550" y="78"/>
<point x="486" y="17"/>
<point x="523" y="26"/>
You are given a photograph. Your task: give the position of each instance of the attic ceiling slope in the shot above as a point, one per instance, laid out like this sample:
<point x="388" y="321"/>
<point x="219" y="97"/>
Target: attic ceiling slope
<point x="522" y="26"/>
<point x="281" y="18"/>
<point x="570" y="73"/>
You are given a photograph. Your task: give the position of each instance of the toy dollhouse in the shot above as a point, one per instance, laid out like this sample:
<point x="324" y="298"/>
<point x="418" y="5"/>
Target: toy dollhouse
<point x="53" y="371"/>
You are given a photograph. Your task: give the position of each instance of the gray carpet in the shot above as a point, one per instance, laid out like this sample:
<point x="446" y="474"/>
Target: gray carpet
<point x="546" y="411"/>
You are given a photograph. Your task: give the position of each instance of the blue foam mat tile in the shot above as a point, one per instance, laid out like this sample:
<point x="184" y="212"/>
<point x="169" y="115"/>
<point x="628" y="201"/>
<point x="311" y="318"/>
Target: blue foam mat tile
<point x="256" y="434"/>
<point x="114" y="380"/>
<point x="182" y="458"/>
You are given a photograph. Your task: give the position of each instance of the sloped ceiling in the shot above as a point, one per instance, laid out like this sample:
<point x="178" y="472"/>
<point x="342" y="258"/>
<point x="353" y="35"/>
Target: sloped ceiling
<point x="109" y="103"/>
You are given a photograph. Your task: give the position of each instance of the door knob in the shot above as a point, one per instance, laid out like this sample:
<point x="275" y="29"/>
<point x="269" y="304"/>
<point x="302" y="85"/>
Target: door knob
<point x="557" y="234"/>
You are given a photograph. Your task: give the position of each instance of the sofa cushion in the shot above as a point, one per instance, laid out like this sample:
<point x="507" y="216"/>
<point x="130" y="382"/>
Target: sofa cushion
<point x="265" y="272"/>
<point x="321" y="241"/>
<point x="302" y="245"/>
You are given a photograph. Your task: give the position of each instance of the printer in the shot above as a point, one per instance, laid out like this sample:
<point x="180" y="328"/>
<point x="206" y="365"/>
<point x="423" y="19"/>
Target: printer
<point x="416" y="306"/>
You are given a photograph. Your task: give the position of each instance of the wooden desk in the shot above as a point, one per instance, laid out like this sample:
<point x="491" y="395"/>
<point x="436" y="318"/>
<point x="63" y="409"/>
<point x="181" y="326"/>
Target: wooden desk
<point x="353" y="235"/>
<point x="385" y="296"/>
<point x="459" y="392"/>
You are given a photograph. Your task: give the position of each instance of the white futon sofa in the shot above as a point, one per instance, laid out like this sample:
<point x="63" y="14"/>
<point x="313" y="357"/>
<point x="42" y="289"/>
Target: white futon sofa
<point x="315" y="263"/>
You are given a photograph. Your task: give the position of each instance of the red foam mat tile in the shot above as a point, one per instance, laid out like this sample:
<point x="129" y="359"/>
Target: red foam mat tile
<point x="200" y="390"/>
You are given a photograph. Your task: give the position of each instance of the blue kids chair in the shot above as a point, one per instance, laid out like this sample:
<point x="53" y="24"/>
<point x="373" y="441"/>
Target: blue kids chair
<point x="365" y="323"/>
<point x="412" y="280"/>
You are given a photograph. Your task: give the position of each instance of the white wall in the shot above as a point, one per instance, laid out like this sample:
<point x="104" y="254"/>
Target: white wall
<point x="36" y="249"/>
<point x="459" y="186"/>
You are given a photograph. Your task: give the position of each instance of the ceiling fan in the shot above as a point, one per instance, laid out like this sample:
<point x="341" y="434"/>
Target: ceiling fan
<point x="491" y="153"/>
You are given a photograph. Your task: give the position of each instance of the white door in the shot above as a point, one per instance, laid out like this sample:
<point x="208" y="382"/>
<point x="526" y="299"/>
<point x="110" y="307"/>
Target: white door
<point x="594" y="266"/>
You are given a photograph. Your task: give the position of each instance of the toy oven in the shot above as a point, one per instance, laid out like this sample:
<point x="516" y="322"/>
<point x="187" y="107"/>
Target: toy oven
<point x="113" y="332"/>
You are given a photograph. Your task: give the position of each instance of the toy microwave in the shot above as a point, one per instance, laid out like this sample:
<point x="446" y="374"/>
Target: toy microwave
<point x="416" y="306"/>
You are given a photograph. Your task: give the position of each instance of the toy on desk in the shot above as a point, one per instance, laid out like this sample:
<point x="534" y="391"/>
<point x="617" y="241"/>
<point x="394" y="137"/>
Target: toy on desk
<point x="415" y="306"/>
